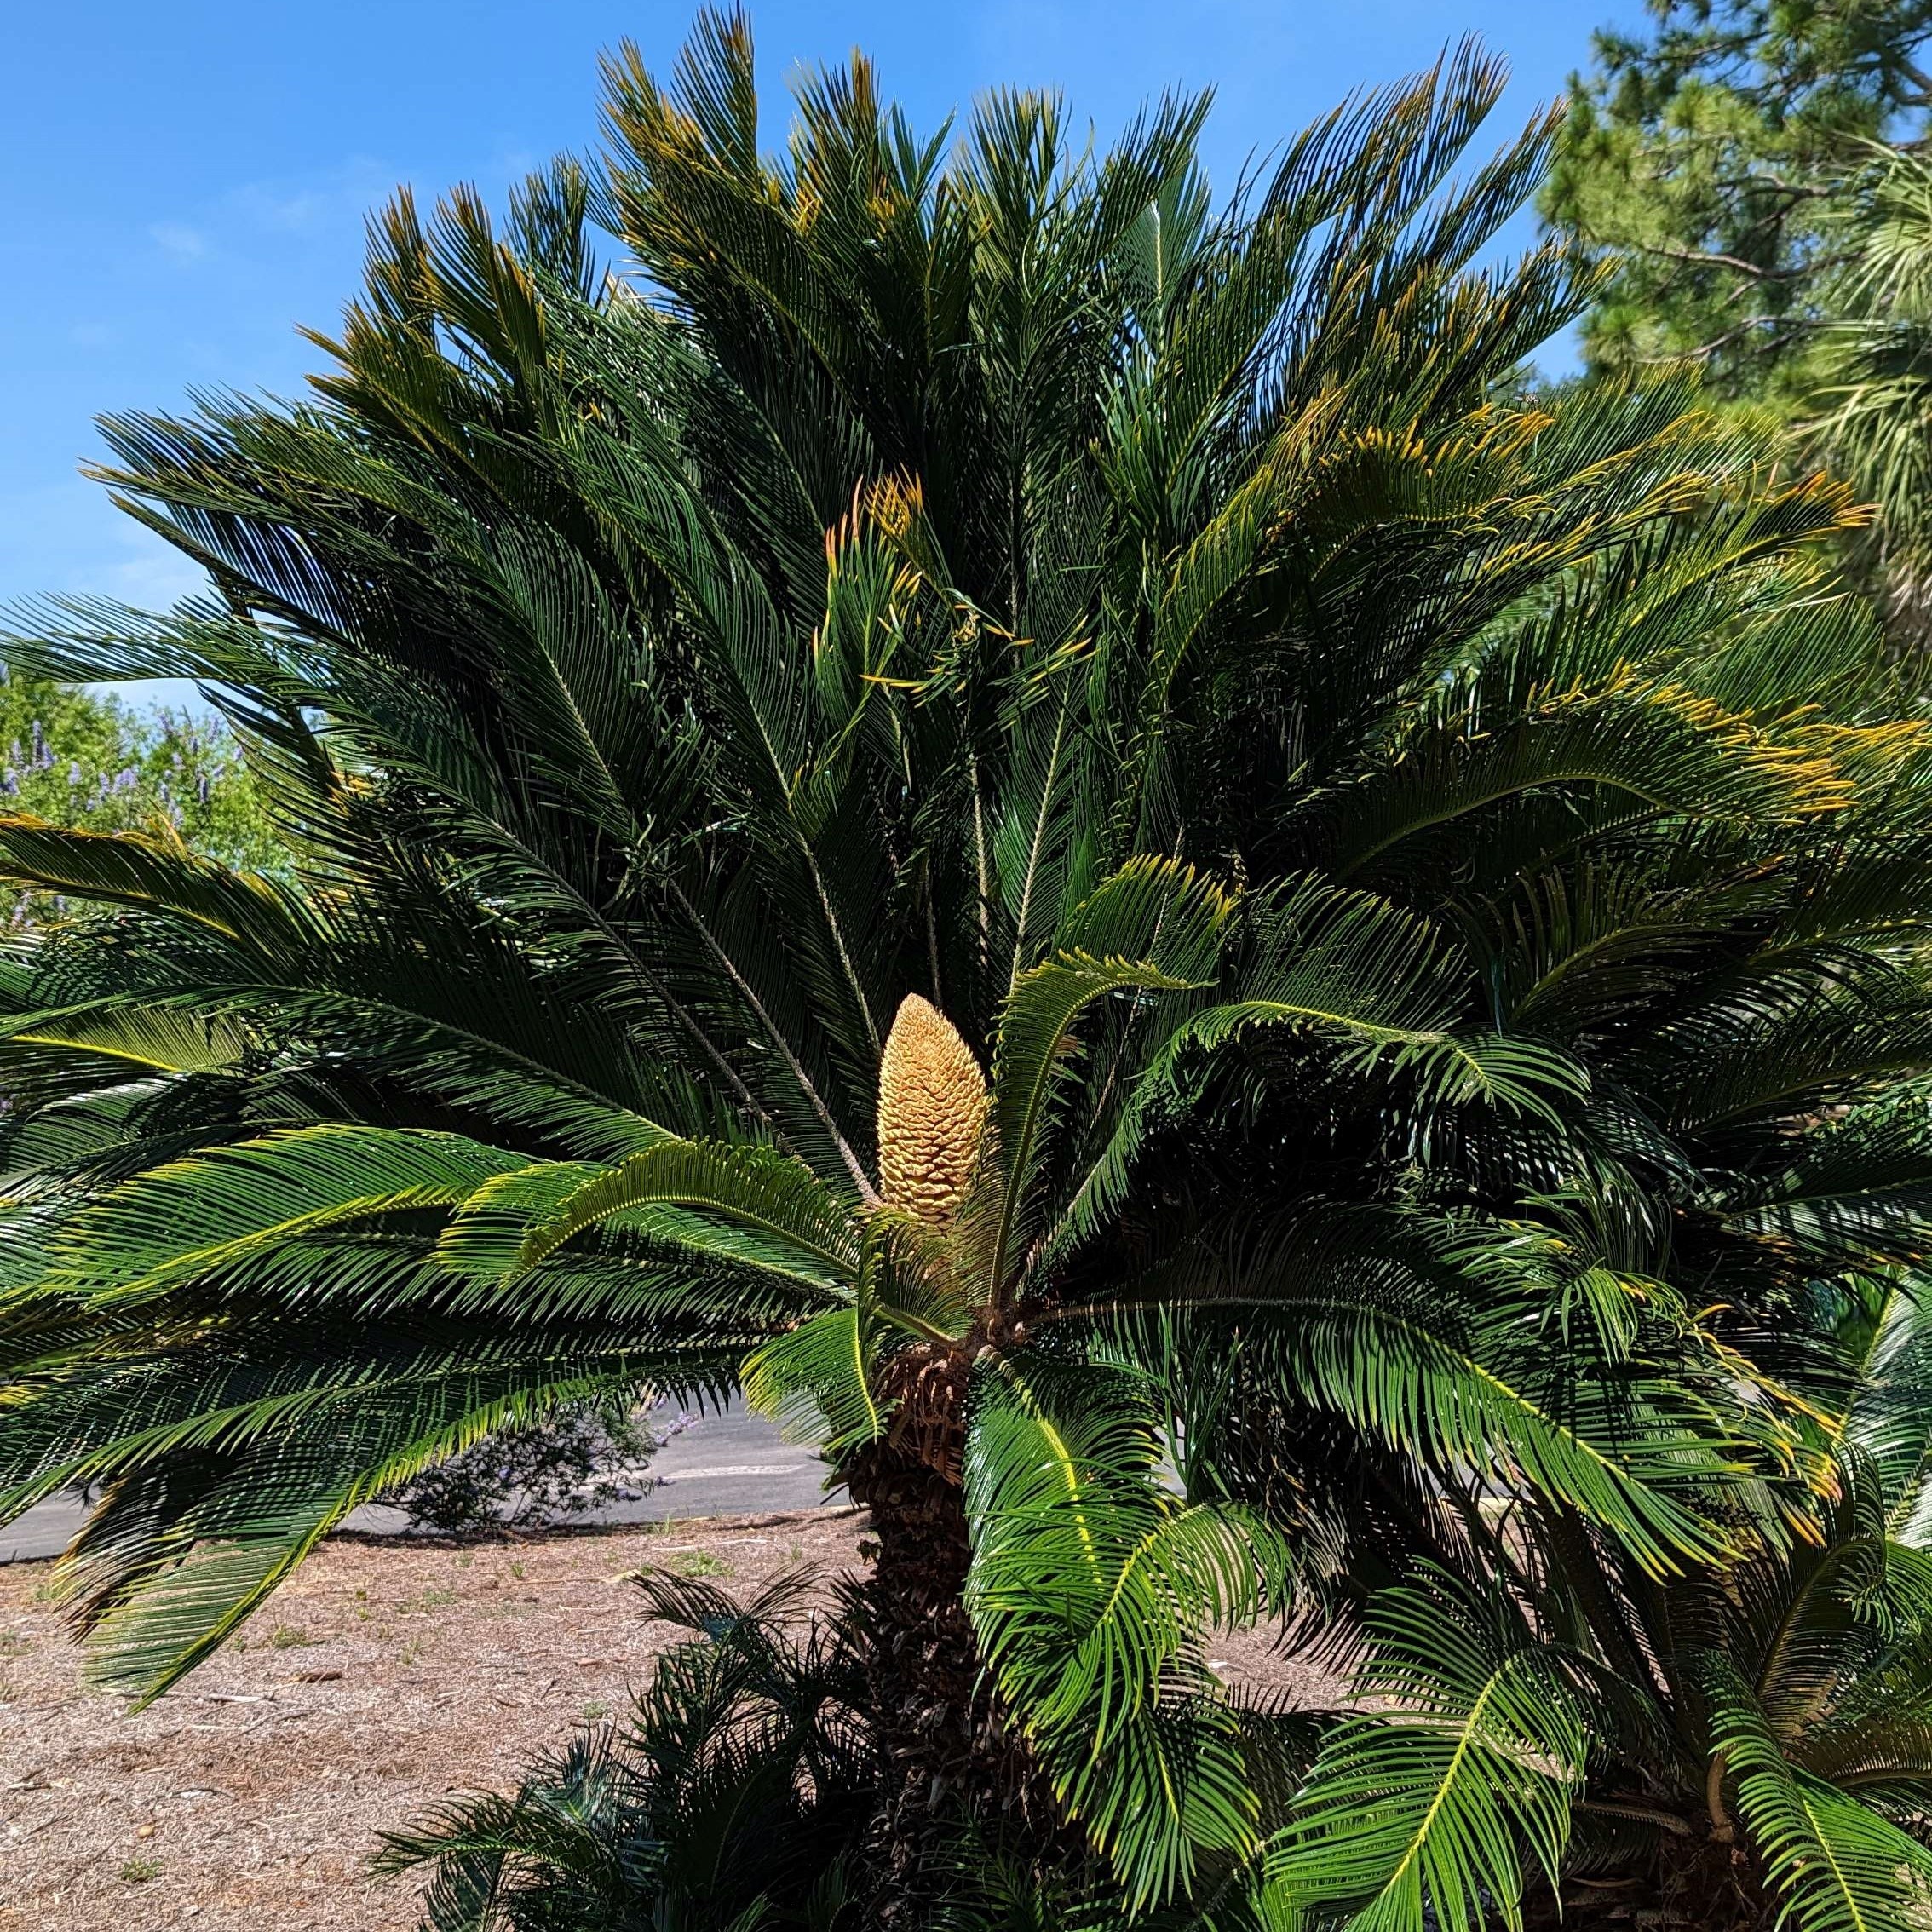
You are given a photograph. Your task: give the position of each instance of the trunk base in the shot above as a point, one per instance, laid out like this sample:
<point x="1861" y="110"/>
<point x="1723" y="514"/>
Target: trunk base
<point x="949" y="1760"/>
<point x="1708" y="1886"/>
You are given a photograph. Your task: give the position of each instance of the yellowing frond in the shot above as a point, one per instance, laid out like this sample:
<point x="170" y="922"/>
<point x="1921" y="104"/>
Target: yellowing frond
<point x="932" y="1113"/>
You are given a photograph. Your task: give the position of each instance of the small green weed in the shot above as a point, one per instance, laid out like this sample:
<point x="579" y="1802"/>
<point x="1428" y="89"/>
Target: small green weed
<point x="698" y="1563"/>
<point x="139" y="1870"/>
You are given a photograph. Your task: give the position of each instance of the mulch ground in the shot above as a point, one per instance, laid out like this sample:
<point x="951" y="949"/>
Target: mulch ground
<point x="384" y="1677"/>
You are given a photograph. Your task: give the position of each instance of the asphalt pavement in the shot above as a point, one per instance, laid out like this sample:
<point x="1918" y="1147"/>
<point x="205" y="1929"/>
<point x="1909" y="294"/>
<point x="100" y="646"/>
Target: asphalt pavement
<point x="726" y="1463"/>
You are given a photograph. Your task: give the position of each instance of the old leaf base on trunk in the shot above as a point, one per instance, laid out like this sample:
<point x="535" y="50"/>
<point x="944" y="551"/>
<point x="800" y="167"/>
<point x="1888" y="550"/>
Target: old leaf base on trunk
<point x="949" y="1756"/>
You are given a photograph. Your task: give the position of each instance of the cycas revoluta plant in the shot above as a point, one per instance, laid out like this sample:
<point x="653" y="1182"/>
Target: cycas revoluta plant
<point x="1742" y="1744"/>
<point x="1873" y="412"/>
<point x="749" y="1753"/>
<point x="1037" y="818"/>
<point x="1770" y="1745"/>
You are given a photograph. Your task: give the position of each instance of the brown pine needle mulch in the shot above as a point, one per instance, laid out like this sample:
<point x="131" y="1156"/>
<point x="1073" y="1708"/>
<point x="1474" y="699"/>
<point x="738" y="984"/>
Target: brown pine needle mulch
<point x="384" y="1677"/>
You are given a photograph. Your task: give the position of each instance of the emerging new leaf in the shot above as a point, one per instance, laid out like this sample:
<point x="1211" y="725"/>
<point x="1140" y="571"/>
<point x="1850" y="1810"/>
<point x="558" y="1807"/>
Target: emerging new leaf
<point x="932" y="1113"/>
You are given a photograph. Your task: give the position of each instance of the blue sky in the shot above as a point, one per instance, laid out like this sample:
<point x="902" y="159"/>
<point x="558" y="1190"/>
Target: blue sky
<point x="180" y="186"/>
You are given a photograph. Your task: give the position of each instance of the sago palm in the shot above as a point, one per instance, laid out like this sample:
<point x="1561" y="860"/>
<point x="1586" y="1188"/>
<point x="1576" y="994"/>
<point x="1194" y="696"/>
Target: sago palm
<point x="1031" y="815"/>
<point x="1870" y="413"/>
<point x="1743" y="1744"/>
<point x="743" y="1775"/>
<point x="1795" y="1691"/>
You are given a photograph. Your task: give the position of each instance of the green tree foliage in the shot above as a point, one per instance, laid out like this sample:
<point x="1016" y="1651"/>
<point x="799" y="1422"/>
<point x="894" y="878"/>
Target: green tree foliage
<point x="1041" y="821"/>
<point x="76" y="758"/>
<point x="1711" y="157"/>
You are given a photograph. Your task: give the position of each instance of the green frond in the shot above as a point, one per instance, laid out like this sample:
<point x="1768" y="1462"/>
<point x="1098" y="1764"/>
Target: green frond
<point x="740" y="1202"/>
<point x="188" y="1221"/>
<point x="1154" y="927"/>
<point x="1432" y="1813"/>
<point x="1091" y="1592"/>
<point x="1839" y="1865"/>
<point x="1447" y="1351"/>
<point x="817" y="1379"/>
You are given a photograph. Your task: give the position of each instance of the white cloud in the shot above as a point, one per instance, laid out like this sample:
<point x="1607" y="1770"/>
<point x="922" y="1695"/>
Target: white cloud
<point x="304" y="204"/>
<point x="178" y="239"/>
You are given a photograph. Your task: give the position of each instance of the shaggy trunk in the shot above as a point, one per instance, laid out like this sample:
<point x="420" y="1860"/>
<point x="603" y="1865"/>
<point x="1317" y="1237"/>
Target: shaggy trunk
<point x="946" y="1753"/>
<point x="1701" y="1880"/>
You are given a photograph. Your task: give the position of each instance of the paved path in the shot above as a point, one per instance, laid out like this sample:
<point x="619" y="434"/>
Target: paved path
<point x="719" y="1464"/>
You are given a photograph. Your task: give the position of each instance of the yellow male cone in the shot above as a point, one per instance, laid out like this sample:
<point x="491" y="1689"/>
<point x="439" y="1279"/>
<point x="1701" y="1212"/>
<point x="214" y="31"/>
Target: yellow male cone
<point x="932" y="1113"/>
